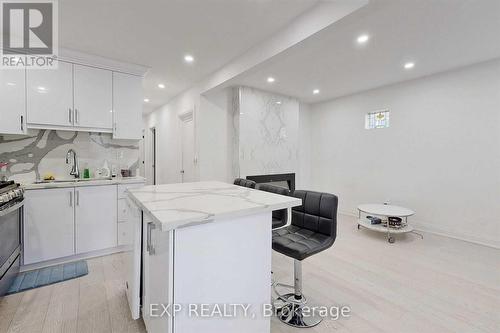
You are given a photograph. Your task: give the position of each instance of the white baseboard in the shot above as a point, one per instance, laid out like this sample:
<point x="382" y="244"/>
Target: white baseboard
<point x="63" y="260"/>
<point x="423" y="227"/>
<point x="466" y="238"/>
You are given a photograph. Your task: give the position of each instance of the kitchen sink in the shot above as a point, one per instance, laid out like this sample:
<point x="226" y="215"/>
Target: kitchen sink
<point x="77" y="180"/>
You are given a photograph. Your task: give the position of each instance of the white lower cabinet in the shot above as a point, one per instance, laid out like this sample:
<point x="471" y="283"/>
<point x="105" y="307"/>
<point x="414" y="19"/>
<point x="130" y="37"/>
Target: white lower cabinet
<point x="96" y="216"/>
<point x="125" y="233"/>
<point x="126" y="219"/>
<point x="62" y="222"/>
<point x="49" y="229"/>
<point x="157" y="276"/>
<point x="133" y="261"/>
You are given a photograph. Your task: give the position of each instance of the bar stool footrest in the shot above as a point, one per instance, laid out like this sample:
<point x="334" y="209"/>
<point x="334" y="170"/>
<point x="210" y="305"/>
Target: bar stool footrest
<point x="291" y="314"/>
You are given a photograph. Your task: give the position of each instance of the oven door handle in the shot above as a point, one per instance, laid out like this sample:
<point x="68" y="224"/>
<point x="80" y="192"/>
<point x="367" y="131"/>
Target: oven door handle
<point x="12" y="208"/>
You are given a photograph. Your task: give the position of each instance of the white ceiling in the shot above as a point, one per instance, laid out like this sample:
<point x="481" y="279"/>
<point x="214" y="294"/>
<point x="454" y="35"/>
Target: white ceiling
<point x="158" y="33"/>
<point x="437" y="35"/>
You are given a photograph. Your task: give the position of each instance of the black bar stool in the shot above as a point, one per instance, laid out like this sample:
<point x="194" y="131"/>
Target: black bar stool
<point x="280" y="217"/>
<point x="244" y="182"/>
<point x="313" y="229"/>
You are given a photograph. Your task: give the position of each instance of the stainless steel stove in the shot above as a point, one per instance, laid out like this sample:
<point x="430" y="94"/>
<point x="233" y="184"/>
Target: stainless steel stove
<point x="11" y="224"/>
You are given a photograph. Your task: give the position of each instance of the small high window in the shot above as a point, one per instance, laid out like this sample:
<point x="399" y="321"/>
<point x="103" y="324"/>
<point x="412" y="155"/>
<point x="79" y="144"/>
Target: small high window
<point x="377" y="119"/>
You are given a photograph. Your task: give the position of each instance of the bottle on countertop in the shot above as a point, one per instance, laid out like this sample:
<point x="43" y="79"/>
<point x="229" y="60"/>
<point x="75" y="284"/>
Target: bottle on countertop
<point x="86" y="171"/>
<point x="105" y="169"/>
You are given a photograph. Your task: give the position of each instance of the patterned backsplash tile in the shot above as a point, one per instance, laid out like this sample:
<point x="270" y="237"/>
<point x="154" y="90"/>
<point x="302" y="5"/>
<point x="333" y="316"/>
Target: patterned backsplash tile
<point x="44" y="151"/>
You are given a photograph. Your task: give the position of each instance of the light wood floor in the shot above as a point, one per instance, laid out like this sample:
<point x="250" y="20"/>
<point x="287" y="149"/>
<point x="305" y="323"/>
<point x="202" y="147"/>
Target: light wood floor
<point x="431" y="285"/>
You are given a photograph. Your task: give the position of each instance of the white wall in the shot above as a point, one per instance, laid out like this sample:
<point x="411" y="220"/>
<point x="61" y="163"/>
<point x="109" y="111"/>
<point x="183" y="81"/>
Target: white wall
<point x="440" y="156"/>
<point x="216" y="135"/>
<point x="213" y="136"/>
<point x="167" y="123"/>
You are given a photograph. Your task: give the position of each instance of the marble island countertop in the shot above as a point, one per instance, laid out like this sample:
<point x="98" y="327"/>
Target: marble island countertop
<point x="180" y="205"/>
<point x="83" y="182"/>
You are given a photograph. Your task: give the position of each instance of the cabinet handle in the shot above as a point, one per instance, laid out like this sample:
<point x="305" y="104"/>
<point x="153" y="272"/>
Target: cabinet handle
<point x="69" y="116"/>
<point x="78" y="198"/>
<point x="77" y="120"/>
<point x="149" y="245"/>
<point x="22" y="123"/>
<point x="71" y="199"/>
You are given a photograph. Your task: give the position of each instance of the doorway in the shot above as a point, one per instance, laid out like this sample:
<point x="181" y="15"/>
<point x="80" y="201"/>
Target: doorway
<point x="187" y="147"/>
<point x="153" y="155"/>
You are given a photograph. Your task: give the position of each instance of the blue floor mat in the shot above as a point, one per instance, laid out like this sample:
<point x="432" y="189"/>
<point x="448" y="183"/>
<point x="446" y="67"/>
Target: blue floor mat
<point x="48" y="275"/>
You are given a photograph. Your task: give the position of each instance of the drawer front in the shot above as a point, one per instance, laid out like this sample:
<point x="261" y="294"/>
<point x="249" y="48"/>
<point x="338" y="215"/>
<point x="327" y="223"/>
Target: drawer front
<point x="123" y="188"/>
<point x="123" y="210"/>
<point x="125" y="233"/>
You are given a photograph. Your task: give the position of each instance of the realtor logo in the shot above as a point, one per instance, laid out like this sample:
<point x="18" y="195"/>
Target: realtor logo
<point x="29" y="33"/>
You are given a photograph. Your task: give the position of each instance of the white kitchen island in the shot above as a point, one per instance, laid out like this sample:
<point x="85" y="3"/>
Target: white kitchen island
<point x="202" y="257"/>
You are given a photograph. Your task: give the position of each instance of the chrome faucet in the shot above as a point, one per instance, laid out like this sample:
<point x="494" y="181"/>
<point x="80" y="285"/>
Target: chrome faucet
<point x="74" y="171"/>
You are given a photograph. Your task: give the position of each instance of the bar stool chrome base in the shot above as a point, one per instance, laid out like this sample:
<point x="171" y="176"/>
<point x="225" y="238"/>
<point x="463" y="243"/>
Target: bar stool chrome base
<point x="291" y="313"/>
<point x="289" y="307"/>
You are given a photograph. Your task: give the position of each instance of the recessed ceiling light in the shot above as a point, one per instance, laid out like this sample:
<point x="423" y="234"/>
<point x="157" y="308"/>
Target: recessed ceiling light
<point x="409" y="65"/>
<point x="188" y="58"/>
<point x="161" y="85"/>
<point x="270" y="79"/>
<point x="278" y="102"/>
<point x="316" y="91"/>
<point x="11" y="84"/>
<point x="146" y="100"/>
<point x="362" y="39"/>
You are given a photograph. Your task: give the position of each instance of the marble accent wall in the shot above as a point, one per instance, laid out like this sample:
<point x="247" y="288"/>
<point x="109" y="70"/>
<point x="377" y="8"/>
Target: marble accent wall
<point x="268" y="126"/>
<point x="44" y="151"/>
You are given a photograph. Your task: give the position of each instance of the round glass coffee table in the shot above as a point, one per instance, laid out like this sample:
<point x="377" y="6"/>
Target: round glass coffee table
<point x="384" y="212"/>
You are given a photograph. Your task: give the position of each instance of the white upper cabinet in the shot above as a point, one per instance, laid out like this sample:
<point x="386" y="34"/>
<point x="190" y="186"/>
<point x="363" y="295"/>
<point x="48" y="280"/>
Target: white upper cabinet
<point x="84" y="93"/>
<point x="93" y="97"/>
<point x="127" y="106"/>
<point x="13" y="105"/>
<point x="50" y="96"/>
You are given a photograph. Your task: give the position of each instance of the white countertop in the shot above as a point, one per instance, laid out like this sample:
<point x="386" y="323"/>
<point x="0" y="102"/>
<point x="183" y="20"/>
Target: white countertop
<point x="84" y="182"/>
<point x="181" y="205"/>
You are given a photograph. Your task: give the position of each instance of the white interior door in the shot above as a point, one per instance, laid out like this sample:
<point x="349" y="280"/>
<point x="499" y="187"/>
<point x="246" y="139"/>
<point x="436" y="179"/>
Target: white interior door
<point x="187" y="147"/>
<point x="152" y="179"/>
